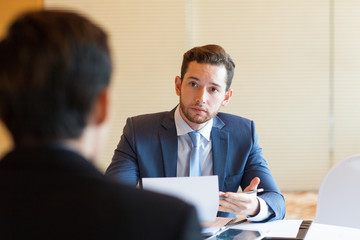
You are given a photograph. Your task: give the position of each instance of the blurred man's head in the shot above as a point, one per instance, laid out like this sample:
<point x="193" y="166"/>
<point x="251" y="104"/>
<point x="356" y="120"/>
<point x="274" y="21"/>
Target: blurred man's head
<point x="54" y="67"/>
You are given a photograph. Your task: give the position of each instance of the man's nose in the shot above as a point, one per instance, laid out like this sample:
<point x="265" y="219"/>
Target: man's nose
<point x="201" y="95"/>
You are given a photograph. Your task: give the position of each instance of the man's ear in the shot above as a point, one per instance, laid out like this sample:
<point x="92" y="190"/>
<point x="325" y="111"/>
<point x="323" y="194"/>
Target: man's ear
<point x="101" y="107"/>
<point x="177" y="85"/>
<point x="228" y="95"/>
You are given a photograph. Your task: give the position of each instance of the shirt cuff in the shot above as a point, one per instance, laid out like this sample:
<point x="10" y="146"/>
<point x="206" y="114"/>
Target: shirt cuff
<point x="263" y="214"/>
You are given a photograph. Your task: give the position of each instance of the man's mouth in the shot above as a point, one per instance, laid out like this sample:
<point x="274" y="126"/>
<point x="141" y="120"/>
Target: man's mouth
<point x="199" y="109"/>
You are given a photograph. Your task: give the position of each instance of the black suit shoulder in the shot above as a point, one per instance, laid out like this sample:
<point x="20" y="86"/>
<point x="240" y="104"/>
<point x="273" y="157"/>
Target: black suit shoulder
<point x="155" y="216"/>
<point x="59" y="195"/>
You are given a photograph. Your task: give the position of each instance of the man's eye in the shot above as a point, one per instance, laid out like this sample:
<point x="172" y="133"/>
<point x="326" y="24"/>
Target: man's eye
<point x="214" y="90"/>
<point x="193" y="84"/>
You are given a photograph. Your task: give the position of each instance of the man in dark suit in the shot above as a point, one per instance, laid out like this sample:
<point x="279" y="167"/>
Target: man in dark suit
<point x="55" y="69"/>
<point x="159" y="145"/>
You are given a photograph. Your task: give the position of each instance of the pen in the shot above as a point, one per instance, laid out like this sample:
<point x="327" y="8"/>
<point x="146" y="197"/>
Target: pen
<point x="255" y="191"/>
<point x="250" y="192"/>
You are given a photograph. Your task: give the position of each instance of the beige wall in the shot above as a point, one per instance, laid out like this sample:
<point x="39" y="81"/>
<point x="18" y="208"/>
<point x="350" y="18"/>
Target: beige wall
<point x="346" y="80"/>
<point x="9" y="10"/>
<point x="296" y="71"/>
<point x="281" y="49"/>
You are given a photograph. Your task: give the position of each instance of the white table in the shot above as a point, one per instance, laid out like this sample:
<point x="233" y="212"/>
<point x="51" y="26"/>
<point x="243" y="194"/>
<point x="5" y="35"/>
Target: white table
<point x="289" y="229"/>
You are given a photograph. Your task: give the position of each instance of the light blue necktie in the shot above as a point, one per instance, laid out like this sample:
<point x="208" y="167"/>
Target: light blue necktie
<point x="195" y="168"/>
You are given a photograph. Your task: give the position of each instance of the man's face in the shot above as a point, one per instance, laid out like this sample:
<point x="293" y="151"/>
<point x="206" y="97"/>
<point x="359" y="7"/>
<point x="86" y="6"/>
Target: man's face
<point x="202" y="92"/>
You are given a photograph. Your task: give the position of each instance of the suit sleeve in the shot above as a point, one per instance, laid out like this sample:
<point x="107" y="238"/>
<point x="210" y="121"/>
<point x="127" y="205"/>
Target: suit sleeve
<point x="124" y="167"/>
<point x="256" y="166"/>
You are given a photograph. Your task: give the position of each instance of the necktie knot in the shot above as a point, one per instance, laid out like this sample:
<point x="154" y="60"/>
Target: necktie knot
<point x="195" y="138"/>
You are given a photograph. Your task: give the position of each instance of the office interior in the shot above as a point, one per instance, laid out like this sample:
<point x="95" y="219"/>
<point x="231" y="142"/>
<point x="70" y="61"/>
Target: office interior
<point x="296" y="74"/>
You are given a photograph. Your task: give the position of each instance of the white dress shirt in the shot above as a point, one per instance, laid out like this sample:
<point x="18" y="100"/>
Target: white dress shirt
<point x="185" y="146"/>
<point x="206" y="161"/>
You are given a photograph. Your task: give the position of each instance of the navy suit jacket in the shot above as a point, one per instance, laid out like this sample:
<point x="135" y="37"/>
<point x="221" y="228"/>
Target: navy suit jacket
<point x="149" y="148"/>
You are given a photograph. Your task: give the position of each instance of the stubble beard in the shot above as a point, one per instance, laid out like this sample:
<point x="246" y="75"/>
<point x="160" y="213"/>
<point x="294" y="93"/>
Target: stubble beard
<point x="195" y="118"/>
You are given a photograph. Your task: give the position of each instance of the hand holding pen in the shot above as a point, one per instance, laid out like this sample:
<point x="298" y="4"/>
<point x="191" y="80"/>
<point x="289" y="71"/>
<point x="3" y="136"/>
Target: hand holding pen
<point x="249" y="192"/>
<point x="242" y="203"/>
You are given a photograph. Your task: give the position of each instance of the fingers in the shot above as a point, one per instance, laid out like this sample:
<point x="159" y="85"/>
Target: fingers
<point x="253" y="184"/>
<point x="237" y="203"/>
<point x="237" y="197"/>
<point x="241" y="203"/>
<point x="229" y="205"/>
<point x="231" y="208"/>
<point x="221" y="195"/>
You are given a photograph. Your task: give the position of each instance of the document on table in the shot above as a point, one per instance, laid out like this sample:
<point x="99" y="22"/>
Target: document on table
<point x="289" y="229"/>
<point x="331" y="232"/>
<point x="280" y="228"/>
<point x="202" y="192"/>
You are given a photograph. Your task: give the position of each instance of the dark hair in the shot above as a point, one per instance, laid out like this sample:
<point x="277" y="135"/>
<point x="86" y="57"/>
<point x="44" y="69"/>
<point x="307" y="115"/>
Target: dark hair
<point x="212" y="54"/>
<point x="53" y="65"/>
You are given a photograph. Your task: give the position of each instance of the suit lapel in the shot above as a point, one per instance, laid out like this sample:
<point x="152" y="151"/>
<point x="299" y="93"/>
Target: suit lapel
<point x="169" y="145"/>
<point x="220" y="143"/>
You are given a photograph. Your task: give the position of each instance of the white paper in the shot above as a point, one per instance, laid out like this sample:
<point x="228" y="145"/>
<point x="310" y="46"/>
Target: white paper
<point x="290" y="228"/>
<point x="202" y="192"/>
<point x="330" y="232"/>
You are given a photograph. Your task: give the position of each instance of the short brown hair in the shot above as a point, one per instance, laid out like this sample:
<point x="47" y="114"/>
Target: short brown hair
<point x="212" y="54"/>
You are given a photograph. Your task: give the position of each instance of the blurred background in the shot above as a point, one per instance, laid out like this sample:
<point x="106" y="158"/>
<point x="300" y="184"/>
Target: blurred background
<point x="297" y="70"/>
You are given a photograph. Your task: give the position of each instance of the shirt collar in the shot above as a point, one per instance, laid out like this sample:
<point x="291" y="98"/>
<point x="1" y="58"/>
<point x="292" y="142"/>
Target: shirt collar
<point x="183" y="128"/>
